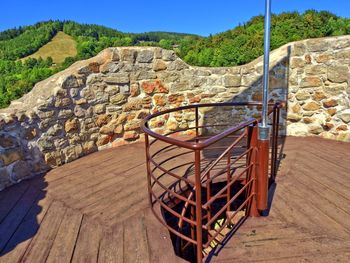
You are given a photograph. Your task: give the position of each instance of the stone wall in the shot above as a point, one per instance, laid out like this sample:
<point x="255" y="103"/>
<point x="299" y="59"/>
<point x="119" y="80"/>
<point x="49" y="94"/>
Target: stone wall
<point x="100" y="102"/>
<point x="319" y="91"/>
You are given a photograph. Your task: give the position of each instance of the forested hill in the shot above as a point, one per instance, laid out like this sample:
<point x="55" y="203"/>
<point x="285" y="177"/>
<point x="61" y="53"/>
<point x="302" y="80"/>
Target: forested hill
<point x="233" y="47"/>
<point x="245" y="42"/>
<point x="20" y="42"/>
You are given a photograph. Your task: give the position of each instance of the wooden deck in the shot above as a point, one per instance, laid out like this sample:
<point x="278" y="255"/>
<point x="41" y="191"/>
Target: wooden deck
<point x="96" y="209"/>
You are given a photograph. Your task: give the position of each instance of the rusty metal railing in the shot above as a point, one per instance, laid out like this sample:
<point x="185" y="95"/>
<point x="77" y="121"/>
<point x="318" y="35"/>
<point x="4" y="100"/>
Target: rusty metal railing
<point x="202" y="184"/>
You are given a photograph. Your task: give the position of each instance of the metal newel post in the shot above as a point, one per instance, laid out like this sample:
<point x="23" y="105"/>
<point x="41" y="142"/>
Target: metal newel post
<point x="253" y="144"/>
<point x="197" y="158"/>
<point x="264" y="129"/>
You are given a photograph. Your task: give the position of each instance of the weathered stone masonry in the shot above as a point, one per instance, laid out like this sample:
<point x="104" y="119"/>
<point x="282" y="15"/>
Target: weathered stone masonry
<point x="100" y="102"/>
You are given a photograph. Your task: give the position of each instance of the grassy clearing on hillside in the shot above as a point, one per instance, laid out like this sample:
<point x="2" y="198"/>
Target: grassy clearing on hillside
<point x="60" y="47"/>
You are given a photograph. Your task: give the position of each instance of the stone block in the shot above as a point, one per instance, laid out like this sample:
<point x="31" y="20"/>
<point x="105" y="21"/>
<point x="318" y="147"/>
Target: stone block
<point x="118" y="99"/>
<point x="115" y="55"/>
<point x="155" y="86"/>
<point x="319" y="95"/>
<point x="8" y="156"/>
<point x="112" y="90"/>
<point x="103" y="140"/>
<point x="134" y="104"/>
<point x="145" y="56"/>
<point x="232" y="80"/>
<point x="317" y="45"/>
<point x="19" y="170"/>
<point x="132" y="125"/>
<point x="297" y="63"/>
<point x="128" y="55"/>
<point x="329" y="103"/>
<point x="338" y="73"/>
<point x="168" y="55"/>
<point x="302" y="95"/>
<point x="89" y="147"/>
<point x="64" y="114"/>
<point x="71" y="125"/>
<point x="159" y="65"/>
<point x="117" y="78"/>
<point x="70" y="81"/>
<point x="344" y="115"/>
<point x="130" y="135"/>
<point x="310" y="81"/>
<point x="315" y="69"/>
<point x="159" y="100"/>
<point x="134" y="90"/>
<point x="102" y="120"/>
<point x="311" y="106"/>
<point x="7" y="140"/>
<point x="342" y="127"/>
<point x="298" y="49"/>
<point x="315" y="129"/>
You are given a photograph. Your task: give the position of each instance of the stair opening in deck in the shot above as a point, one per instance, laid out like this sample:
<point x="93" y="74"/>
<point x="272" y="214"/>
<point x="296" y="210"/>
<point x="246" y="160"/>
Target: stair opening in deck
<point x="188" y="251"/>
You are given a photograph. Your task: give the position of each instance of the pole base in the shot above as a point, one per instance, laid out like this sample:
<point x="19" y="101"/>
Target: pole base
<point x="264" y="133"/>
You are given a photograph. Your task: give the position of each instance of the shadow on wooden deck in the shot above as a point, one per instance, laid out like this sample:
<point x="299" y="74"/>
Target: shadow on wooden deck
<point x="19" y="209"/>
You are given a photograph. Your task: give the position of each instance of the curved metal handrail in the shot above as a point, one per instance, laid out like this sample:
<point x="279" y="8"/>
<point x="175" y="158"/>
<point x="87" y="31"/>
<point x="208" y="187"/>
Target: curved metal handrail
<point x="209" y="141"/>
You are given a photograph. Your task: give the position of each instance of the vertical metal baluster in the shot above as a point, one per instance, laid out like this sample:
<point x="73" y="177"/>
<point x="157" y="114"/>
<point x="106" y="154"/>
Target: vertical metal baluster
<point x="197" y="124"/>
<point x="273" y="148"/>
<point x="198" y="205"/>
<point x="148" y="167"/>
<point x="209" y="196"/>
<point x="228" y="179"/>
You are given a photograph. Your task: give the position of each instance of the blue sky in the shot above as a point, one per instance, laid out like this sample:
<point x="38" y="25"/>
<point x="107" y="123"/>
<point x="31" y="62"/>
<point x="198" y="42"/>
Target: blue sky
<point x="191" y="16"/>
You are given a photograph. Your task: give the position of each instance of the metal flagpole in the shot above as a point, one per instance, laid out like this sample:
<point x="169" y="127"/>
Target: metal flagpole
<point x="264" y="134"/>
<point x="264" y="129"/>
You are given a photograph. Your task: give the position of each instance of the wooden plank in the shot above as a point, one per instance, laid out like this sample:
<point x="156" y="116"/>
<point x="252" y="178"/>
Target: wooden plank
<point x="89" y="162"/>
<point x="10" y="224"/>
<point x="92" y="187"/>
<point x="124" y="212"/>
<point x="160" y="245"/>
<point x="334" y="182"/>
<point x="316" y="199"/>
<point x="94" y="197"/>
<point x="24" y="234"/>
<point x="136" y="248"/>
<point x="112" y="245"/>
<point x="118" y="200"/>
<point x="110" y="195"/>
<point x="40" y="246"/>
<point x="333" y="147"/>
<point x="336" y="255"/>
<point x="265" y="244"/>
<point x="9" y="198"/>
<point x="323" y="161"/>
<point x="126" y="202"/>
<point x="73" y="190"/>
<point x="317" y="188"/>
<point x="63" y="245"/>
<point x="341" y="255"/>
<point x="87" y="245"/>
<point x="298" y="211"/>
<point x="93" y="175"/>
